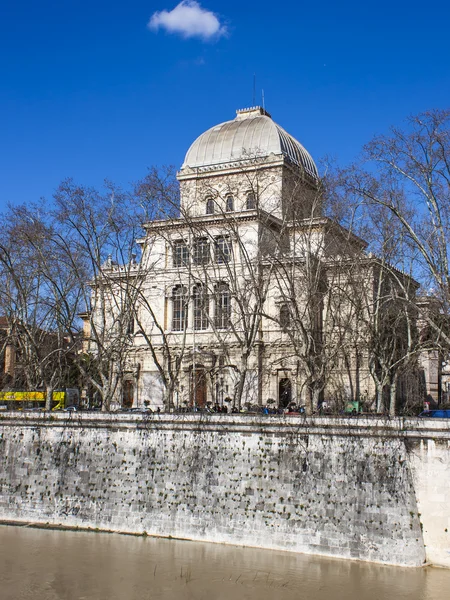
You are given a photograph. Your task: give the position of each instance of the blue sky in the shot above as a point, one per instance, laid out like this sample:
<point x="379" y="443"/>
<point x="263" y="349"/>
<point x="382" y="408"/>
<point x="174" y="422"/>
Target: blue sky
<point x="88" y="90"/>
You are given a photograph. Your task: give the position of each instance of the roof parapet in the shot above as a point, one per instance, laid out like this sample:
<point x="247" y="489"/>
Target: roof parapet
<point x="252" y="111"/>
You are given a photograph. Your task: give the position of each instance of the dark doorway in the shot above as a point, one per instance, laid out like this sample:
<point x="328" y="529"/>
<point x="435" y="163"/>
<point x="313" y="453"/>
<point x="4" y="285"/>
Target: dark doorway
<point x="127" y="394"/>
<point x="199" y="388"/>
<point x="284" y="392"/>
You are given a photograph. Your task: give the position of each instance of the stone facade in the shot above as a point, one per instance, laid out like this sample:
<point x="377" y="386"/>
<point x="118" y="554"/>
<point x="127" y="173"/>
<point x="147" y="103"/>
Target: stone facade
<point x="347" y="488"/>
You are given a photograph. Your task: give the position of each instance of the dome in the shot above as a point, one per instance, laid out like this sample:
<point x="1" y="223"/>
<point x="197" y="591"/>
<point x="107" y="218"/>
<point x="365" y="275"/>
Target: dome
<point x="251" y="133"/>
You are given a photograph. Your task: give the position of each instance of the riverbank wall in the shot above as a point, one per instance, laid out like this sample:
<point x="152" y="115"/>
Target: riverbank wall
<point x="375" y="490"/>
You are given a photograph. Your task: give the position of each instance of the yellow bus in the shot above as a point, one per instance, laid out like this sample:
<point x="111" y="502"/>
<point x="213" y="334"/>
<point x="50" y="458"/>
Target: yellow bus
<point x="20" y="400"/>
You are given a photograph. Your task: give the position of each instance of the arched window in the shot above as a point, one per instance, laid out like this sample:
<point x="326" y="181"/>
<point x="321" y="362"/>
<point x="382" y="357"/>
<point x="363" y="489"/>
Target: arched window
<point x="201" y="307"/>
<point x="222" y="306"/>
<point x="285" y="317"/>
<point x="229" y="204"/>
<point x="210" y="206"/>
<point x="180" y="306"/>
<point x="223" y="249"/>
<point x="251" y="202"/>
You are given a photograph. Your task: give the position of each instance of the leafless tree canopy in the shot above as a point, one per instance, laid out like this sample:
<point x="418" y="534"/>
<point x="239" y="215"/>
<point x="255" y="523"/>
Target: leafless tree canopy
<point x="351" y="271"/>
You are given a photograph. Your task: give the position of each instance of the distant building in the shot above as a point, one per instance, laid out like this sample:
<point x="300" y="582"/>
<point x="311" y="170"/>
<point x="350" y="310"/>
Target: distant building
<point x="15" y="358"/>
<point x="8" y="352"/>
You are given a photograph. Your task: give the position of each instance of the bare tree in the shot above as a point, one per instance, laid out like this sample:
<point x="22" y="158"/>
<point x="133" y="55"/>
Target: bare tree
<point x="104" y="231"/>
<point x="97" y="232"/>
<point x="40" y="300"/>
<point x="389" y="320"/>
<point x="408" y="173"/>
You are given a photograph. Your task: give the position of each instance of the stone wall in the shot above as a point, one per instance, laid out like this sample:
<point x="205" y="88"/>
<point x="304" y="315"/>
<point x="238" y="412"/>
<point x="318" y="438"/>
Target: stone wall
<point x="350" y="488"/>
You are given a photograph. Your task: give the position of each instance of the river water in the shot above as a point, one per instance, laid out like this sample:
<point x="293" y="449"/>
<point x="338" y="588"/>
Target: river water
<point x="41" y="564"/>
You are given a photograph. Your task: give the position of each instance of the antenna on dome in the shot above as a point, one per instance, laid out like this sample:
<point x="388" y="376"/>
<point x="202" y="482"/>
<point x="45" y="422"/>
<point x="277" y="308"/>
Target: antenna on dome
<point x="263" y="102"/>
<point x="254" y="89"/>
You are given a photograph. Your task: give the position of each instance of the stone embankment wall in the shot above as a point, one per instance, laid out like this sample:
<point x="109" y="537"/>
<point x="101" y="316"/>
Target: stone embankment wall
<point x="351" y="488"/>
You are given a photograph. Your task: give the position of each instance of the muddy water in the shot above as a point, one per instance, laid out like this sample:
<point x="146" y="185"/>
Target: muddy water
<point x="63" y="565"/>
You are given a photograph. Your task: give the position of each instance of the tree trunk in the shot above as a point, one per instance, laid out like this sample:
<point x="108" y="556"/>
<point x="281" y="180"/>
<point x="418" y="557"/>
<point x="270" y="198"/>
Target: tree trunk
<point x="168" y="397"/>
<point x="314" y="397"/>
<point x="48" y="397"/>
<point x="240" y="385"/>
<point x="392" y="398"/>
<point x="105" y="395"/>
<point x="240" y="390"/>
<point x="379" y="392"/>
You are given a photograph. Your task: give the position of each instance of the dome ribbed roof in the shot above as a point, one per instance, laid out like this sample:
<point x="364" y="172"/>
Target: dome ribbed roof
<point x="252" y="133"/>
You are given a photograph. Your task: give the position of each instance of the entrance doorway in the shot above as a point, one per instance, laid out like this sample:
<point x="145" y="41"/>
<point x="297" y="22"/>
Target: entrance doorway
<point x="199" y="388"/>
<point x="127" y="394"/>
<point x="284" y="392"/>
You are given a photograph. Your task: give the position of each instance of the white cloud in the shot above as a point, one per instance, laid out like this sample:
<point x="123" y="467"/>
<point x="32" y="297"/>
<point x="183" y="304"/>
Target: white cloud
<point x="188" y="19"/>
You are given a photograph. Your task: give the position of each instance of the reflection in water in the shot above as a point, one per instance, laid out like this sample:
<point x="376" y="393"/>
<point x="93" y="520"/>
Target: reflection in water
<point x="65" y="565"/>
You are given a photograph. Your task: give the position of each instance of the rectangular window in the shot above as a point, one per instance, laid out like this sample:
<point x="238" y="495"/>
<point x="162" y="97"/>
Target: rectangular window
<point x="223" y="250"/>
<point x="131" y="326"/>
<point x="180" y="254"/>
<point x="200" y="253"/>
<point x="285" y="317"/>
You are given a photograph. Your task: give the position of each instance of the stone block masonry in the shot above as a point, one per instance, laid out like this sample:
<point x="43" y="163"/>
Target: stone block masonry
<point x="350" y="488"/>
